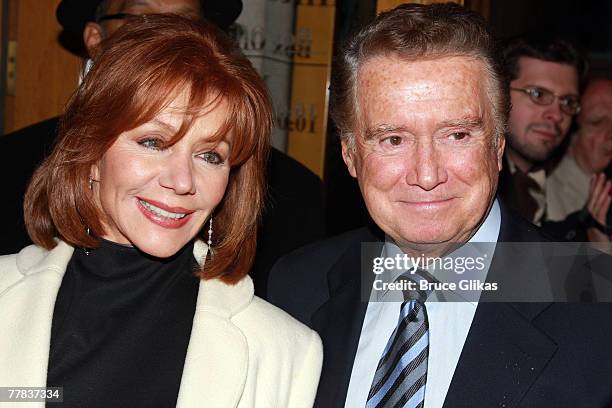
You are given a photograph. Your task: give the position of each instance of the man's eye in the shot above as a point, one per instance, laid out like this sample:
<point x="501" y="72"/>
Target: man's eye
<point x="393" y="140"/>
<point x="592" y="122"/>
<point x="211" y="157"/>
<point x="458" y="135"/>
<point x="152" y="143"/>
<point x="536" y="93"/>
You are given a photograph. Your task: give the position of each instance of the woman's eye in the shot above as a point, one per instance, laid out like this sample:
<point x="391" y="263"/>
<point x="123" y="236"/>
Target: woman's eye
<point x="211" y="157"/>
<point x="458" y="135"/>
<point x="152" y="143"/>
<point x="393" y="140"/>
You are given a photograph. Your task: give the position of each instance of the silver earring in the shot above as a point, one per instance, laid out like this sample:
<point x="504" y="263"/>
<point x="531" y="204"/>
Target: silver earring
<point x="210" y="230"/>
<point x="91" y="181"/>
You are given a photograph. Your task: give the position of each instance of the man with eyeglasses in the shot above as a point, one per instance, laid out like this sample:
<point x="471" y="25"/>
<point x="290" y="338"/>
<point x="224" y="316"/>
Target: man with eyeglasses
<point x="544" y="88"/>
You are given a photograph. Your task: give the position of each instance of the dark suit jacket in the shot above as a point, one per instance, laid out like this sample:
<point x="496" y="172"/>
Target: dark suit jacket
<point x="293" y="217"/>
<point x="515" y="355"/>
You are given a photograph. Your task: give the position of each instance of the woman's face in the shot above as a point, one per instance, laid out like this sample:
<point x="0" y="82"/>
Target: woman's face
<point x="158" y="199"/>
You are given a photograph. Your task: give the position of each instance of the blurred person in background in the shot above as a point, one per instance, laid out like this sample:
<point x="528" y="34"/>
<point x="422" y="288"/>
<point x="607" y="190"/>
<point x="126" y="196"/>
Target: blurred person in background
<point x="131" y="295"/>
<point x="544" y="78"/>
<point x="578" y="188"/>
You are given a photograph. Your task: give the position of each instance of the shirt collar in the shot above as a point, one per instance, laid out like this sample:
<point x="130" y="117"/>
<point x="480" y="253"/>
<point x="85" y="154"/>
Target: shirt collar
<point x="539" y="175"/>
<point x="482" y="244"/>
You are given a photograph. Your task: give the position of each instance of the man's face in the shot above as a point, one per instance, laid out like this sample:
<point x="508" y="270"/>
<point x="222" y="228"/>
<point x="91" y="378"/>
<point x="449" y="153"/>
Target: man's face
<point x="594" y="138"/>
<point x="535" y="131"/>
<point x="424" y="155"/>
<point x="190" y="8"/>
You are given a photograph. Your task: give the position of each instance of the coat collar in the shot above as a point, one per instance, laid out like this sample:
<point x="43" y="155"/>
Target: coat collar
<point x="217" y="356"/>
<point x="339" y="320"/>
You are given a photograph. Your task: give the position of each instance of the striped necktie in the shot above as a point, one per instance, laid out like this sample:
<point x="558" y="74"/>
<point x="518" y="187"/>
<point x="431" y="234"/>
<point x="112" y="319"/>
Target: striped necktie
<point x="401" y="374"/>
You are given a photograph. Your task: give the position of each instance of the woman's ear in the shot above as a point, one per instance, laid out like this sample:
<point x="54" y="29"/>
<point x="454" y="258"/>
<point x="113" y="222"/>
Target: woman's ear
<point x="94" y="172"/>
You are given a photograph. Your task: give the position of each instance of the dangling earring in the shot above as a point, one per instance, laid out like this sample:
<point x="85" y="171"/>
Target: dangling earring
<point x="210" y="230"/>
<point x="91" y="181"/>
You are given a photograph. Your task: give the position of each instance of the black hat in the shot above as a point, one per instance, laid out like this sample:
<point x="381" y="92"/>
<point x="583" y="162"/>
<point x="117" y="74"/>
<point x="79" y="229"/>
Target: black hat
<point x="74" y="14"/>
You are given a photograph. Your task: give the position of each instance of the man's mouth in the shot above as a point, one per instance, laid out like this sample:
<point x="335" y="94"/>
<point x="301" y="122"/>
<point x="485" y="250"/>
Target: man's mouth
<point x="427" y="201"/>
<point x="546" y="133"/>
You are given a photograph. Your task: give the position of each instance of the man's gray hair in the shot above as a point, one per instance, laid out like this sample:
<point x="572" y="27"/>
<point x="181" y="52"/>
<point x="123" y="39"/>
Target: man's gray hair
<point x="412" y="32"/>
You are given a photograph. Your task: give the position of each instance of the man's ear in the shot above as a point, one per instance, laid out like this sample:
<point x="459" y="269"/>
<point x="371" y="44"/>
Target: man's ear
<point x="93" y="34"/>
<point x="501" y="144"/>
<point x="348" y="155"/>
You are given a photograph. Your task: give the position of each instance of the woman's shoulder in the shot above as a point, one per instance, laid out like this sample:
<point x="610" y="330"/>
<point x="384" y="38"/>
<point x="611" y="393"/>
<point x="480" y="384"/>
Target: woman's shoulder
<point x="30" y="260"/>
<point x="12" y="268"/>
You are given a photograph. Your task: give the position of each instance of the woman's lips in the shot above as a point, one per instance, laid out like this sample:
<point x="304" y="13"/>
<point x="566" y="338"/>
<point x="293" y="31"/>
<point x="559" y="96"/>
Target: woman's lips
<point x="166" y="207"/>
<point x="161" y="220"/>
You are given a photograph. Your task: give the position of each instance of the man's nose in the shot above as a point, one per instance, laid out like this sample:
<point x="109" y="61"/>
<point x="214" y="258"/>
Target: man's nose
<point x="178" y="174"/>
<point x="428" y="169"/>
<point x="553" y="112"/>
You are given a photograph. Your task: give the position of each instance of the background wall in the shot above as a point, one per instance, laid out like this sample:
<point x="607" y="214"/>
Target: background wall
<point x="44" y="73"/>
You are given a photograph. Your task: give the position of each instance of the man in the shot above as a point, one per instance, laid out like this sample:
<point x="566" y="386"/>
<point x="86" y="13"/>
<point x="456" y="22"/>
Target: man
<point x="294" y="215"/>
<point x="588" y="156"/>
<point x="544" y="88"/>
<point x="421" y="107"/>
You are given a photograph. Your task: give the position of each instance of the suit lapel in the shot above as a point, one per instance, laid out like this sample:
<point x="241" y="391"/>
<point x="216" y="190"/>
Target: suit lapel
<point x="217" y="357"/>
<point x="339" y="320"/>
<point x="504" y="353"/>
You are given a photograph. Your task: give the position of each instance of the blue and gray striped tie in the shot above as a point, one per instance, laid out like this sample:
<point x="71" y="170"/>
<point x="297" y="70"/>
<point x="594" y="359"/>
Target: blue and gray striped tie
<point x="402" y="370"/>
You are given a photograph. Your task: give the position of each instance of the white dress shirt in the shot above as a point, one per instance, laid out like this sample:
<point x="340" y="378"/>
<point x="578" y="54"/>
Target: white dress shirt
<point x="567" y="189"/>
<point x="449" y="323"/>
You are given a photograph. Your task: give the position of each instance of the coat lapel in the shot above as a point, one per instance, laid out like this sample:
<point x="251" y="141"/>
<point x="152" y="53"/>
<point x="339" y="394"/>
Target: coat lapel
<point x="217" y="356"/>
<point x="504" y="353"/>
<point x="339" y="321"/>
<point x="27" y="300"/>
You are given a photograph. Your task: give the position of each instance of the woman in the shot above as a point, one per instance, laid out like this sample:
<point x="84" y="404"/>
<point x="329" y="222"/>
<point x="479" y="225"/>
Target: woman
<point x="167" y="132"/>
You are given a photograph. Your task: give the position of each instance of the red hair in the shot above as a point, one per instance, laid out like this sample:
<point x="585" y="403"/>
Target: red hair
<point x="136" y="73"/>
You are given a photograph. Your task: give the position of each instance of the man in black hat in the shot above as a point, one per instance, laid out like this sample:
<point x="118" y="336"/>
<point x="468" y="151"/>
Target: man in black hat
<point x="294" y="216"/>
<point x="97" y="19"/>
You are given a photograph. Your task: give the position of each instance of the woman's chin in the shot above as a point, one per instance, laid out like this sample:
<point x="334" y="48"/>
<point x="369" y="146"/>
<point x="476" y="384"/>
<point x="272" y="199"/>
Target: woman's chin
<point x="159" y="248"/>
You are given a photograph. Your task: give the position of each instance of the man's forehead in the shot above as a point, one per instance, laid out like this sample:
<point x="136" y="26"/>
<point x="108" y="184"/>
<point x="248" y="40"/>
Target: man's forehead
<point x="435" y="70"/>
<point x="598" y="92"/>
<point x="393" y="80"/>
<point x="155" y="6"/>
<point x="550" y="74"/>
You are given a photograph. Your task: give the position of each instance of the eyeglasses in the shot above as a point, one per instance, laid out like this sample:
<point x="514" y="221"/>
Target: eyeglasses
<point x="118" y="16"/>
<point x="569" y="104"/>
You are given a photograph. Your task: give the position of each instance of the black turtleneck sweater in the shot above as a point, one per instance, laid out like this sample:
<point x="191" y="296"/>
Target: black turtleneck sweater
<point x="121" y="327"/>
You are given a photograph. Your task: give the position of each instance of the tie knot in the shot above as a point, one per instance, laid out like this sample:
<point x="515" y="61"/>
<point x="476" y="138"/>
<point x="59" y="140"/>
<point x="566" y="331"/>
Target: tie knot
<point x="421" y="282"/>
